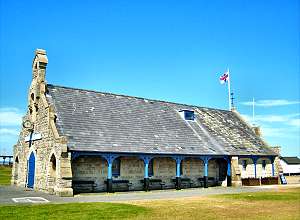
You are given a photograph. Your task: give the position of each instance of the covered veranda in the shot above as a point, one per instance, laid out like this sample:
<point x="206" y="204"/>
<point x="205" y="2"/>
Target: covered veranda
<point x="146" y="158"/>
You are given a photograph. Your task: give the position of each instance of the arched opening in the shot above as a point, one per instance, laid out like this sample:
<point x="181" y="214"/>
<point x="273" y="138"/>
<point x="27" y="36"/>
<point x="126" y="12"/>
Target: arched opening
<point x="53" y="162"/>
<point x="264" y="169"/>
<point x="52" y="172"/>
<point x="31" y="171"/>
<point x="16" y="171"/>
<point x="222" y="171"/>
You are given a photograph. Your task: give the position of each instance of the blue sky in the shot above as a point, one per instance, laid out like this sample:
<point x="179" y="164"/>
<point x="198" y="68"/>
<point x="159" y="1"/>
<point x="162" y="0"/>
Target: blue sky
<point x="167" y="50"/>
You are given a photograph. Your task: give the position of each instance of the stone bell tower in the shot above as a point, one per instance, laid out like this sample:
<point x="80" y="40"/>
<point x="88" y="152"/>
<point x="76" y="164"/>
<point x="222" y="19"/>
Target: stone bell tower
<point x="37" y="86"/>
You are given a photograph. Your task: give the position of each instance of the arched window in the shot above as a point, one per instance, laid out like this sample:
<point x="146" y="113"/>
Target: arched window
<point x="53" y="162"/>
<point x="52" y="172"/>
<point x="16" y="164"/>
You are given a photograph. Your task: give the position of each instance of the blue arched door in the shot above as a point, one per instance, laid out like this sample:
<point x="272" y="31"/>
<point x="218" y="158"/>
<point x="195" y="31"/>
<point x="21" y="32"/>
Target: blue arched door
<point x="31" y="170"/>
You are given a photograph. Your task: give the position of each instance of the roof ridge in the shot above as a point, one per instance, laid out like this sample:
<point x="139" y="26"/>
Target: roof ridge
<point x="137" y="97"/>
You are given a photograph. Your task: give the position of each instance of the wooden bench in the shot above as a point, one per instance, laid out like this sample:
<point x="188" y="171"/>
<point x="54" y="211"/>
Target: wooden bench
<point x="185" y="182"/>
<point x="83" y="185"/>
<point x="155" y="183"/>
<point x="211" y="181"/>
<point x="120" y="185"/>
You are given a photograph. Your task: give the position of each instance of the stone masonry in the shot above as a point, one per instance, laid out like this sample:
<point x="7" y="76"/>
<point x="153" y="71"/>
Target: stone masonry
<point x="50" y="175"/>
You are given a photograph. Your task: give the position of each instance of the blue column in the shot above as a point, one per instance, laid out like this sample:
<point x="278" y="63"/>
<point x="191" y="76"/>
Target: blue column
<point x="146" y="160"/>
<point x="206" y="168"/>
<point x="254" y="162"/>
<point x="205" y="160"/>
<point x="178" y="178"/>
<point x="146" y="167"/>
<point x="109" y="159"/>
<point x="229" y="180"/>
<point x="272" y="159"/>
<point x="109" y="170"/>
<point x="255" y="175"/>
<point x="178" y="168"/>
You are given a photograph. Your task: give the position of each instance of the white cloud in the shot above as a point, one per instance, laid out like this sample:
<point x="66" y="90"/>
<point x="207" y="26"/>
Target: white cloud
<point x="10" y="122"/>
<point x="288" y="119"/>
<point x="277" y="126"/>
<point x="9" y="131"/>
<point x="273" y="132"/>
<point x="10" y="117"/>
<point x="295" y="122"/>
<point x="271" y="102"/>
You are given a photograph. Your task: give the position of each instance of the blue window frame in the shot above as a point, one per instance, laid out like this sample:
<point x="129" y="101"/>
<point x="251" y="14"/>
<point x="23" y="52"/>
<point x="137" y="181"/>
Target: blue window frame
<point x="244" y="164"/>
<point x="188" y="114"/>
<point x="150" y="168"/>
<point x="116" y="167"/>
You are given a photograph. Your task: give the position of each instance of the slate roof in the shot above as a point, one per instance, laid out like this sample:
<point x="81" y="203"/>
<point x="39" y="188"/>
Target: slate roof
<point x="105" y="122"/>
<point x="291" y="160"/>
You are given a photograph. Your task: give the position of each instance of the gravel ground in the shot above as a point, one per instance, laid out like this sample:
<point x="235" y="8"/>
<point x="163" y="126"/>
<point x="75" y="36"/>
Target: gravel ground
<point x="7" y="193"/>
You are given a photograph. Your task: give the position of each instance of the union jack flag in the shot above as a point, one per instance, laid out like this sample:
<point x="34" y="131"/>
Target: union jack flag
<point x="224" y="78"/>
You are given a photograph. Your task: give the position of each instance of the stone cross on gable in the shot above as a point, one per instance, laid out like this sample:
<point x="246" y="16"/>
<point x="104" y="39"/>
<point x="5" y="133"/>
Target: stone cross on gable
<point x="33" y="137"/>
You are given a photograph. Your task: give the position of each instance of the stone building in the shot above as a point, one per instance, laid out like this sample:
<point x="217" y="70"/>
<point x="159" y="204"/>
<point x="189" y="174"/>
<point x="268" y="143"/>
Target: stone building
<point x="76" y="140"/>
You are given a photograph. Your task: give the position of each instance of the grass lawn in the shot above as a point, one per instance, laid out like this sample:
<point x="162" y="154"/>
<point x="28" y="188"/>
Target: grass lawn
<point x="276" y="204"/>
<point x="5" y="175"/>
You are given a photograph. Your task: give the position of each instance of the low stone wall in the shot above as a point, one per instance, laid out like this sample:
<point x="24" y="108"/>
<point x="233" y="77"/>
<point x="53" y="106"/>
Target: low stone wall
<point x="293" y="179"/>
<point x="269" y="180"/>
<point x="250" y="181"/>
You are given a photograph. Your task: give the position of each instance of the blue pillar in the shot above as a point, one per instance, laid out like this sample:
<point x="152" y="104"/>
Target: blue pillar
<point x="272" y="159"/>
<point x="146" y="160"/>
<point x="205" y="160"/>
<point x="178" y="178"/>
<point x="146" y="167"/>
<point x="206" y="168"/>
<point x="110" y="159"/>
<point x="109" y="170"/>
<point x="254" y="162"/>
<point x="229" y="180"/>
<point x="178" y="168"/>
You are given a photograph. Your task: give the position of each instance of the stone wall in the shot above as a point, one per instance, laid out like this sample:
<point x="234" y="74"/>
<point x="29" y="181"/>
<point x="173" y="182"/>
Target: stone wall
<point x="40" y="119"/>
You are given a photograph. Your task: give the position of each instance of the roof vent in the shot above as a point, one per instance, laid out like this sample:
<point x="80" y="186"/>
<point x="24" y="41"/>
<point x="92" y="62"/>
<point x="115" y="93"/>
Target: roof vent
<point x="187" y="114"/>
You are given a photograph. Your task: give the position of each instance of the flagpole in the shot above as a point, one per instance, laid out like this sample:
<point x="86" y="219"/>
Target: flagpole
<point x="229" y="101"/>
<point x="253" y="103"/>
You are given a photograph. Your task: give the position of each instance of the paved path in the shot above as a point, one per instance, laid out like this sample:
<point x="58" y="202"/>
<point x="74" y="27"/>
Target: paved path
<point x="8" y="194"/>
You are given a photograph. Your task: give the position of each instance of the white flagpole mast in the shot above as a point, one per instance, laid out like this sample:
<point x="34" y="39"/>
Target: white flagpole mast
<point x="253" y="103"/>
<point x="229" y="94"/>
